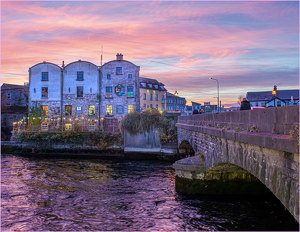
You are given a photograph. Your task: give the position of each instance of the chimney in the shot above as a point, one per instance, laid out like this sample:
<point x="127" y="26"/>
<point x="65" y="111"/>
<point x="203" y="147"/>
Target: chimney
<point x="119" y="56"/>
<point x="63" y="64"/>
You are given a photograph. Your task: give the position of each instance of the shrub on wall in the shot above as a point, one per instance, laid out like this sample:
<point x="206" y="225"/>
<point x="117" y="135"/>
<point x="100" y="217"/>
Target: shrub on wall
<point x="149" y="120"/>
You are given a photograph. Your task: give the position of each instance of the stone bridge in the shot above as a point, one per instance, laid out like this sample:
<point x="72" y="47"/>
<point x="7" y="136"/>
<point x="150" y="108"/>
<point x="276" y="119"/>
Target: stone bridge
<point x="264" y="142"/>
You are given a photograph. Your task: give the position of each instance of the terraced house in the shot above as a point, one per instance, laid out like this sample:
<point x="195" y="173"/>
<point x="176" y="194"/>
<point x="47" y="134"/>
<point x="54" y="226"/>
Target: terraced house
<point x="82" y="93"/>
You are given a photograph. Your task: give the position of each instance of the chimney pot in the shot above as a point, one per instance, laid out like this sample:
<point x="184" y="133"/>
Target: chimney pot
<point x="119" y="56"/>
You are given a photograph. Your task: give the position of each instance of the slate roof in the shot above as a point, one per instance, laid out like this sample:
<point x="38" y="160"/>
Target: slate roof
<point x="6" y="86"/>
<point x="267" y="95"/>
<point x="149" y="83"/>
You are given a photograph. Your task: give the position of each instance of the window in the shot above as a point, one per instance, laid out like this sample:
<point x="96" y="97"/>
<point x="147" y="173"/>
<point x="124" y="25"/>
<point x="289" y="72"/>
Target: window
<point x="151" y="96"/>
<point x="120" y="109"/>
<point x="163" y="108"/>
<point x="69" y="90"/>
<point x="79" y="91"/>
<point x="129" y="91"/>
<point x="108" y="77"/>
<point x="92" y="110"/>
<point x="143" y="85"/>
<point x="144" y="106"/>
<point x="80" y="76"/>
<point x="162" y="98"/>
<point x="78" y="110"/>
<point x="34" y="90"/>
<point x="8" y="95"/>
<point x="44" y="92"/>
<point x="68" y="126"/>
<point x="91" y="90"/>
<point x="68" y="110"/>
<point x="108" y="93"/>
<point x="156" y="97"/>
<point x="144" y="96"/>
<point x="119" y="70"/>
<point x="147" y="106"/>
<point x="256" y="104"/>
<point x="44" y="76"/>
<point x="278" y="103"/>
<point x="44" y="127"/>
<point x="129" y="76"/>
<point x="156" y="106"/>
<point x="45" y="110"/>
<point x="130" y="109"/>
<point x="263" y="104"/>
<point x="151" y="106"/>
<point x="109" y="109"/>
<point x="92" y="127"/>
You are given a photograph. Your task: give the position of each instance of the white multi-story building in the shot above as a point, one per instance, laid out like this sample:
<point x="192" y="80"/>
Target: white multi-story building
<point x="83" y="93"/>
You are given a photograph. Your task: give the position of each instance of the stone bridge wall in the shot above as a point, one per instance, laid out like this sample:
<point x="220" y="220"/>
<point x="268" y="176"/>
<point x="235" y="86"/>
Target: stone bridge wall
<point x="269" y="153"/>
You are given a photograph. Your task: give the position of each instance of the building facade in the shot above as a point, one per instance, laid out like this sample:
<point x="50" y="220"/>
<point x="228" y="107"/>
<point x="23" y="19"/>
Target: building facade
<point x="119" y="88"/>
<point x="83" y="94"/>
<point x="152" y="94"/>
<point x="175" y="103"/>
<point x="14" y="107"/>
<point x="267" y="99"/>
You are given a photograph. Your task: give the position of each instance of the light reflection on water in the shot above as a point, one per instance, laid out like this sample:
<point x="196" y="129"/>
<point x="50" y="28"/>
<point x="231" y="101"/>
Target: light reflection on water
<point x="66" y="194"/>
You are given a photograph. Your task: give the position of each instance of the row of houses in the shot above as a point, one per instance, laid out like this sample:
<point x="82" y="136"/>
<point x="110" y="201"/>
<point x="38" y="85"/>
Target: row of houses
<point x="84" y="93"/>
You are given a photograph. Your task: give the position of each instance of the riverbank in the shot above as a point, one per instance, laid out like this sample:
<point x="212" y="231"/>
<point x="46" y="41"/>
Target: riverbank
<point x="30" y="149"/>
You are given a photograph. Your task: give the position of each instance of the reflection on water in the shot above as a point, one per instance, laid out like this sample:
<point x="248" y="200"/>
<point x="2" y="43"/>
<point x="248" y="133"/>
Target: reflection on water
<point x="66" y="194"/>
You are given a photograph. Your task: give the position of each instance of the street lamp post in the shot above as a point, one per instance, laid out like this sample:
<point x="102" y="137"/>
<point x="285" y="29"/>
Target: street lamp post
<point x="176" y="94"/>
<point x="218" y="93"/>
<point x="274" y="92"/>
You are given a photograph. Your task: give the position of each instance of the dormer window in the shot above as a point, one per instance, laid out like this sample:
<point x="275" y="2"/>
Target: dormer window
<point x="44" y="76"/>
<point x="79" y="76"/>
<point x="156" y="86"/>
<point x="143" y="85"/>
<point x="150" y="85"/>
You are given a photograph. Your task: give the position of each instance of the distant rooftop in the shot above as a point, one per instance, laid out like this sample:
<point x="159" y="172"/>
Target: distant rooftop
<point x="267" y="95"/>
<point x="13" y="86"/>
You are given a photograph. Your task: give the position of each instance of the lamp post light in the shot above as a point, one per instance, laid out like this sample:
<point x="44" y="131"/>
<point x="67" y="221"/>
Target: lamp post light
<point x="176" y="94"/>
<point x="218" y="93"/>
<point x="274" y="92"/>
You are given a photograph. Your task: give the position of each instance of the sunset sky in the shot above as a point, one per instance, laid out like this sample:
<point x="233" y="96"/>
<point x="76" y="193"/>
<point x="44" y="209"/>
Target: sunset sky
<point x="247" y="46"/>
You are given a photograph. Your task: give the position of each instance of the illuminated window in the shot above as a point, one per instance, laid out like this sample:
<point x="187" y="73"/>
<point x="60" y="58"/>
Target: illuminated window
<point x="108" y="77"/>
<point x="44" y="92"/>
<point x="80" y="76"/>
<point x="129" y="76"/>
<point x="44" y="76"/>
<point x="119" y="70"/>
<point x="109" y="109"/>
<point x="91" y="109"/>
<point x="45" y="110"/>
<point x="108" y="93"/>
<point x="68" y="126"/>
<point x="68" y="110"/>
<point x="130" y="108"/>
<point x="129" y="91"/>
<point x="79" y="91"/>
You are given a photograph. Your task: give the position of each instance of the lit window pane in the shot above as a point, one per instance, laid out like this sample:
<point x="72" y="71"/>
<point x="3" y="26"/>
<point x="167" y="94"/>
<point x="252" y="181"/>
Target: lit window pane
<point x="130" y="108"/>
<point x="91" y="109"/>
<point x="109" y="109"/>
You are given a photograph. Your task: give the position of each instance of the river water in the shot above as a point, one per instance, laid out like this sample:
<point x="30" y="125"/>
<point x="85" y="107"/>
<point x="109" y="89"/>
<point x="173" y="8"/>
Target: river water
<point x="127" y="195"/>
